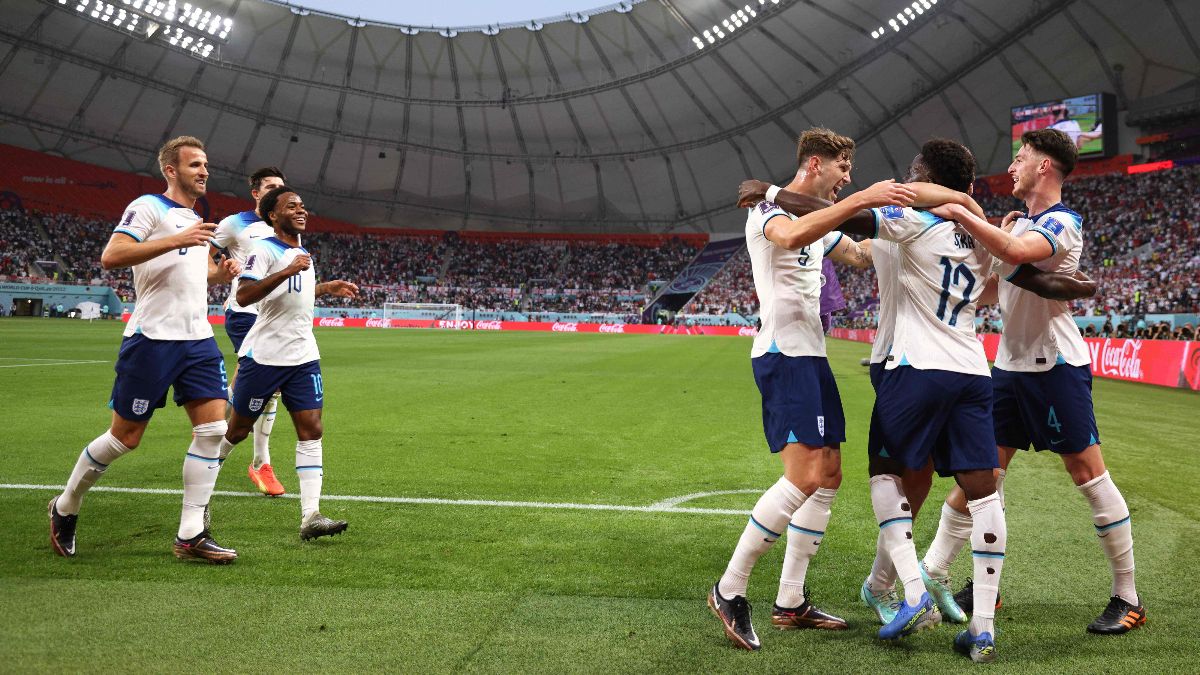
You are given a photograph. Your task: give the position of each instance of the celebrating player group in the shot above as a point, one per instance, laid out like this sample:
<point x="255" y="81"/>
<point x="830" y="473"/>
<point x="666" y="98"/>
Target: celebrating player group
<point x="938" y="407"/>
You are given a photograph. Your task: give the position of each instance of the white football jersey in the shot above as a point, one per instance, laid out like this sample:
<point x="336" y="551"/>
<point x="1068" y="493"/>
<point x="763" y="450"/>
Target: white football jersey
<point x="941" y="272"/>
<point x="236" y="235"/>
<point x="1038" y="332"/>
<point x="788" y="284"/>
<point x="171" y="289"/>
<point x="1070" y="128"/>
<point x="283" y="333"/>
<point x="886" y="259"/>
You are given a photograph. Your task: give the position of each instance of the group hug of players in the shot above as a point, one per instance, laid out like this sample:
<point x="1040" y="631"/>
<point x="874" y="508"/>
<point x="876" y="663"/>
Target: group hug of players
<point x="169" y="344"/>
<point x="937" y="406"/>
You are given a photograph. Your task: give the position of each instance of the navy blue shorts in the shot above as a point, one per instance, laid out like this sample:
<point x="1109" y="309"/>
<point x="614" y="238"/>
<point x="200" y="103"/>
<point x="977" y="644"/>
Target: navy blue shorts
<point x="300" y="385"/>
<point x="800" y="401"/>
<point x="237" y="325"/>
<point x="1051" y="410"/>
<point x="877" y="374"/>
<point x="919" y="413"/>
<point x="147" y="368"/>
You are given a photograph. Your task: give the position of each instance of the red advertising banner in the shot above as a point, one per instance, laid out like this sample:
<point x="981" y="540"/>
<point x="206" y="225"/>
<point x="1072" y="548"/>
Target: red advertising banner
<point x="1168" y="363"/>
<point x="553" y="327"/>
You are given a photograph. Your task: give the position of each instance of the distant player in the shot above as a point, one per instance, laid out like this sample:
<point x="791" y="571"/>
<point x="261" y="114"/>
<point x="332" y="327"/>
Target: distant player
<point x="802" y="411"/>
<point x="280" y="352"/>
<point x="1042" y="375"/>
<point x="236" y="235"/>
<point x="168" y="344"/>
<point x="1071" y="128"/>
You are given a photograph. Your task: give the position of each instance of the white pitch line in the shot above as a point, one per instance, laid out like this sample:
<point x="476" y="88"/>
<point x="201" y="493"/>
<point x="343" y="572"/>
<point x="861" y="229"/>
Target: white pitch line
<point x="61" y="363"/>
<point x="562" y="506"/>
<point x="676" y="501"/>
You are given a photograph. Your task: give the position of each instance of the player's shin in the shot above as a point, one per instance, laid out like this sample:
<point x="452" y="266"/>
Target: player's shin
<point x="954" y="530"/>
<point x="883" y="572"/>
<point x="894" y="516"/>
<point x="767" y="521"/>
<point x="805" y="532"/>
<point x="310" y="473"/>
<point x="200" y="469"/>
<point x="262" y="433"/>
<point x="1115" y="529"/>
<point x="92" y="462"/>
<point x="989" y="536"/>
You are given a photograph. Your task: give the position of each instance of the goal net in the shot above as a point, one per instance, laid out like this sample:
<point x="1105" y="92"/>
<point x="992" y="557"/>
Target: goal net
<point x="425" y="314"/>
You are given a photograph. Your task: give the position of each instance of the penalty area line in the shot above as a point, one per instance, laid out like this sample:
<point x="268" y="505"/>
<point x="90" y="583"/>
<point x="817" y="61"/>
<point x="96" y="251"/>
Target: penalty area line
<point x="59" y="363"/>
<point x="557" y="506"/>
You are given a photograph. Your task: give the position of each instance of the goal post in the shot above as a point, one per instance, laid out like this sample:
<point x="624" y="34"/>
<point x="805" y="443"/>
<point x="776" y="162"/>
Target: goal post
<point x="427" y="314"/>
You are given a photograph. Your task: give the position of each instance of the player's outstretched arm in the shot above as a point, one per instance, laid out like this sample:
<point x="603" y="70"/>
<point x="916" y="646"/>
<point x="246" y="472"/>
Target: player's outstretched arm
<point x="124" y="250"/>
<point x="1052" y="285"/>
<point x="932" y="194"/>
<point x="853" y="253"/>
<point x="251" y="290"/>
<point x="338" y="288"/>
<point x="1028" y="247"/>
<point x="752" y="192"/>
<point x="796" y="234"/>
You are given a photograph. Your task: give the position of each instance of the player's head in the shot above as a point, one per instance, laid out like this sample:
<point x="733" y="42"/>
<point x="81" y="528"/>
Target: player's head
<point x="825" y="158"/>
<point x="1045" y="155"/>
<point x="282" y="209"/>
<point x="264" y="179"/>
<point x="944" y="162"/>
<point x="184" y="164"/>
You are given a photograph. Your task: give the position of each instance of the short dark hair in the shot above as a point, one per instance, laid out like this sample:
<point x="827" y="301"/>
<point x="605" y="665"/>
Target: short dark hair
<point x="824" y="143"/>
<point x="949" y="162"/>
<point x="268" y="201"/>
<point x="257" y="177"/>
<point x="1054" y="144"/>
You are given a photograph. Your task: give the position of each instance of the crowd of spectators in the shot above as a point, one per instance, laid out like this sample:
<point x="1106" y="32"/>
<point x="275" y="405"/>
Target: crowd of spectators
<point x="1141" y="235"/>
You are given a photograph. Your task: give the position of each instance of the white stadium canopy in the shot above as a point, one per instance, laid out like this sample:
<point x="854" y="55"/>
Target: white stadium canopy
<point x="634" y="116"/>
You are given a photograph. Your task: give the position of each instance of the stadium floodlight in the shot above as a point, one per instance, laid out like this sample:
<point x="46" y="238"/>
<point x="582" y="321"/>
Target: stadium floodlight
<point x="740" y="18"/>
<point x="187" y="27"/>
<point x="905" y="16"/>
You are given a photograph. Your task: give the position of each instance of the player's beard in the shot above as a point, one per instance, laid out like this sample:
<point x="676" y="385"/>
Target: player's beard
<point x="193" y="189"/>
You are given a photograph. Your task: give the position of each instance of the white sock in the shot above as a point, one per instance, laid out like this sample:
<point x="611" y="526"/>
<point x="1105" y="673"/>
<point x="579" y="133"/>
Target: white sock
<point x="200" y="469"/>
<point x="895" y="526"/>
<point x="805" y="533"/>
<point x="883" y="572"/>
<point x="224" y="448"/>
<point x="1000" y="484"/>
<point x="954" y="531"/>
<point x="989" y="536"/>
<point x="308" y="469"/>
<point x="92" y="462"/>
<point x="767" y="521"/>
<point x="262" y="433"/>
<point x="1113" y="526"/>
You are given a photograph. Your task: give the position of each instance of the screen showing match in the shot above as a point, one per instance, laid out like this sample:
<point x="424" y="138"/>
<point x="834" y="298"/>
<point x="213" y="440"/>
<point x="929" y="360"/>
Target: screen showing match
<point x="1081" y="118"/>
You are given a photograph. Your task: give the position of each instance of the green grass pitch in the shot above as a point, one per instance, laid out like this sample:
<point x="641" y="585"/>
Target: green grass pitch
<point x="538" y="417"/>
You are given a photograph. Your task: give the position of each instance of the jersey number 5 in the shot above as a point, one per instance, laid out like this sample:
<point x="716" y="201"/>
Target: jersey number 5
<point x="953" y="275"/>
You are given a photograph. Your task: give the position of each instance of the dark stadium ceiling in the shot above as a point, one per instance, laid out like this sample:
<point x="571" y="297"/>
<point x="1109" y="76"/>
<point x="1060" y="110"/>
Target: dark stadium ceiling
<point x="618" y="122"/>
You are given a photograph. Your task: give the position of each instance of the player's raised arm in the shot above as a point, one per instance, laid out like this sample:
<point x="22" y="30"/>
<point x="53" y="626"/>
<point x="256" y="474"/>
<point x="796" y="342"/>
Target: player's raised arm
<point x="125" y="249"/>
<point x="932" y="194"/>
<point x="796" y="234"/>
<point x="853" y="253"/>
<point x="251" y="288"/>
<point x="1014" y="250"/>
<point x="223" y="271"/>
<point x="337" y="288"/>
<point x="1052" y="285"/>
<point x="753" y="191"/>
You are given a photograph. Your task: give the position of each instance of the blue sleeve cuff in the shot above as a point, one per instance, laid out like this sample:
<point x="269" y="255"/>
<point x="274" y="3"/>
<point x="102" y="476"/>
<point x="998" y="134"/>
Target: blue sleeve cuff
<point x="834" y="244"/>
<point x="875" y="215"/>
<point x="251" y="277"/>
<point x="1053" y="245"/>
<point x="127" y="233"/>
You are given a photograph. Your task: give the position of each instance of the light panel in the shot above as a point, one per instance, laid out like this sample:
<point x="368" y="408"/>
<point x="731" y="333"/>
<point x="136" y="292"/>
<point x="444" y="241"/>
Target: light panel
<point x="904" y="16"/>
<point x="736" y="21"/>
<point x="185" y="26"/>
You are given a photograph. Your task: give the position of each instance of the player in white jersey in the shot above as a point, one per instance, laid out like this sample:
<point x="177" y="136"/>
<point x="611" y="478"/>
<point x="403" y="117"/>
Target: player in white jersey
<point x="802" y="412"/>
<point x="1071" y="128"/>
<point x="280" y="352"/>
<point x="1042" y="375"/>
<point x="168" y="344"/>
<point x="236" y="235"/>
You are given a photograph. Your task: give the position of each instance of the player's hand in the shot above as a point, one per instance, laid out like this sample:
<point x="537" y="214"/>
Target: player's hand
<point x="1009" y="220"/>
<point x="299" y="264"/>
<point x="199" y="234"/>
<point x="947" y="211"/>
<point x="886" y="193"/>
<point x="227" y="269"/>
<point x="751" y="192"/>
<point x="341" y="289"/>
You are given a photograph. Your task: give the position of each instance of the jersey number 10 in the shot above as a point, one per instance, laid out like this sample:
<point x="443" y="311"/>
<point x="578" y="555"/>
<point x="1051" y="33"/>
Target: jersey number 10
<point x="294" y="284"/>
<point x="953" y="275"/>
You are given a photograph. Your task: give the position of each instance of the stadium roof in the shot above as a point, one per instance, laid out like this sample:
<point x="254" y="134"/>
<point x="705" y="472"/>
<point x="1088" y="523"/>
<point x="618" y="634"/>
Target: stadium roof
<point x="629" y="117"/>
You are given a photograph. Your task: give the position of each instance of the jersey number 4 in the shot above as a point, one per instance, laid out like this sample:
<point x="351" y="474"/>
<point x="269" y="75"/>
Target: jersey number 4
<point x="954" y="275"/>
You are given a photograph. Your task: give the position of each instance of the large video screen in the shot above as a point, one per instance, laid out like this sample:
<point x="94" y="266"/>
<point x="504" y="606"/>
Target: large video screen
<point x="1086" y="119"/>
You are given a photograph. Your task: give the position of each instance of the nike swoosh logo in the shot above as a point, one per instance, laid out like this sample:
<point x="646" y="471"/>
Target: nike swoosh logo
<point x="320" y="398"/>
<point x="1057" y="442"/>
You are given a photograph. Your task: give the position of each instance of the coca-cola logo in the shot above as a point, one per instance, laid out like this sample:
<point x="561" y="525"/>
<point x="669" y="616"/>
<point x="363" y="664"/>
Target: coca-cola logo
<point x="612" y="328"/>
<point x="747" y="331"/>
<point x="1117" y="358"/>
<point x="336" y="321"/>
<point x="489" y="325"/>
<point x="570" y="327"/>
<point x="379" y="323"/>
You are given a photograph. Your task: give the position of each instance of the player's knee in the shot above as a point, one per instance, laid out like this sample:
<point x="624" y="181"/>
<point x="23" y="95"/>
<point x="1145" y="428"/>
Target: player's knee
<point x="1085" y="466"/>
<point x="128" y="439"/>
<point x="310" y="431"/>
<point x="237" y="434"/>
